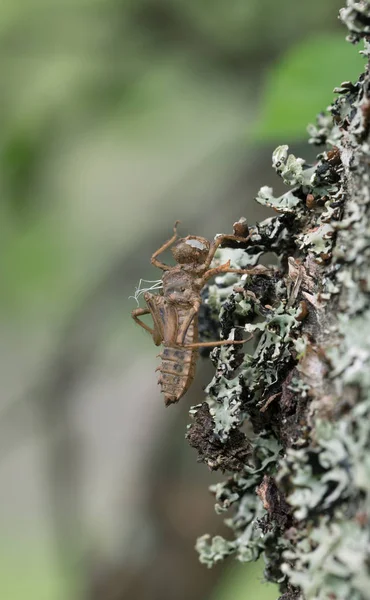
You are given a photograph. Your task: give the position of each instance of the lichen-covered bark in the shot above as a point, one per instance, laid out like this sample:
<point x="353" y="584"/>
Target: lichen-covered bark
<point x="290" y="421"/>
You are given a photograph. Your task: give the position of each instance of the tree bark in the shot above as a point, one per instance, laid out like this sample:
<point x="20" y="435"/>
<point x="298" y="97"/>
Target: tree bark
<point x="298" y="481"/>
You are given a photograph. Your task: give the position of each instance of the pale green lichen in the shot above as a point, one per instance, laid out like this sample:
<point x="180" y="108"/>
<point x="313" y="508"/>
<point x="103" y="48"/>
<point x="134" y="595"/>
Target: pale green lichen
<point x="356" y="17"/>
<point x="240" y="491"/>
<point x="323" y="131"/>
<point x="284" y="204"/>
<point x="334" y="555"/>
<point x="290" y="168"/>
<point x="226" y="411"/>
<point x="301" y="493"/>
<point x="319" y="239"/>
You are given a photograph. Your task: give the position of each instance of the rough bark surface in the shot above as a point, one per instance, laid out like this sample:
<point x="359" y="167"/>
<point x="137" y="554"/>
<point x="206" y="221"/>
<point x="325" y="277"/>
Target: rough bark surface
<point x="290" y="421"/>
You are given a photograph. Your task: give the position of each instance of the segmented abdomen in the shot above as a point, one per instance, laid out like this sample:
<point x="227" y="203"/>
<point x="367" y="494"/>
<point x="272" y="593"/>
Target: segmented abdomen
<point x="177" y="369"/>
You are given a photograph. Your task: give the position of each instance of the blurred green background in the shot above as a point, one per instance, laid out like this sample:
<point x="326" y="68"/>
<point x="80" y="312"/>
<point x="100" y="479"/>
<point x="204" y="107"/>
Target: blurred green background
<point x="117" y="118"/>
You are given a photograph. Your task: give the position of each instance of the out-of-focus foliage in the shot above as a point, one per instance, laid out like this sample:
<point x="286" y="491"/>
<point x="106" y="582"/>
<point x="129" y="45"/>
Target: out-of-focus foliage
<point x="76" y="63"/>
<point x="29" y="572"/>
<point x="83" y="81"/>
<point x="239" y="578"/>
<point x="298" y="86"/>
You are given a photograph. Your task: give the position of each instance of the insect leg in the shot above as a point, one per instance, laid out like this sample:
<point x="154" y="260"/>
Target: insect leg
<point x="186" y="324"/>
<point x="164" y="247"/>
<point x="218" y="343"/>
<point x="216" y="271"/>
<point x="226" y="269"/>
<point x="219" y="240"/>
<point x="139" y="312"/>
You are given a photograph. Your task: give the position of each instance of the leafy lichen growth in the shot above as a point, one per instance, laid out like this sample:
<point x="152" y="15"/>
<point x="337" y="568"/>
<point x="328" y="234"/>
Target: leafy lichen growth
<point x="290" y="420"/>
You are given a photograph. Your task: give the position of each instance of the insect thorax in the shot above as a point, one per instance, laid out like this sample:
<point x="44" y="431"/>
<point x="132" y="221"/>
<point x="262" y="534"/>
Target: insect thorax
<point x="179" y="284"/>
<point x="176" y="277"/>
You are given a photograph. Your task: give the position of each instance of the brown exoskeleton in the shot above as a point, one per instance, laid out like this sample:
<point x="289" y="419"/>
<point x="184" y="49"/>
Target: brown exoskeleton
<point x="175" y="311"/>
